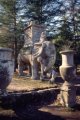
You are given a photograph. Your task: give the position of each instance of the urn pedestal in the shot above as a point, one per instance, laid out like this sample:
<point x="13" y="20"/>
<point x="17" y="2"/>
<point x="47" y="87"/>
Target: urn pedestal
<point x="6" y="68"/>
<point x="68" y="72"/>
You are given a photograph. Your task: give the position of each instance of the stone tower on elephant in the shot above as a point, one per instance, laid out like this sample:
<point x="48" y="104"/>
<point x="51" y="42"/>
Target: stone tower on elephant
<point x="39" y="54"/>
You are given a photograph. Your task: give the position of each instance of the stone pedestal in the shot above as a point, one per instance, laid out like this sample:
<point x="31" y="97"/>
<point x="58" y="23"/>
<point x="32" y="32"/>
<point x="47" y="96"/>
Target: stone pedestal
<point x="67" y="72"/>
<point x="68" y="95"/>
<point x="6" y="67"/>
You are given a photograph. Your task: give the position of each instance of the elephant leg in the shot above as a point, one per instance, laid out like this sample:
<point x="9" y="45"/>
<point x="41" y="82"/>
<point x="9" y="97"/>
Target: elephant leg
<point x="43" y="65"/>
<point x="35" y="75"/>
<point x="20" y="69"/>
<point x="42" y="76"/>
<point x="29" y="69"/>
<point x="43" y="73"/>
<point x="41" y="61"/>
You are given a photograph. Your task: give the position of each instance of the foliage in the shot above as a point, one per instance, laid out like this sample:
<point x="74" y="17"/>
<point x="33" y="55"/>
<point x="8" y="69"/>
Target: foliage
<point x="11" y="27"/>
<point x="61" y="17"/>
<point x="65" y="31"/>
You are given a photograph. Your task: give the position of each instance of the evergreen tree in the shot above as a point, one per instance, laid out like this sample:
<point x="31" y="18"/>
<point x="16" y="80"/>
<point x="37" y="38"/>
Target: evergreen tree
<point x="65" y="31"/>
<point x="10" y="21"/>
<point x="43" y="11"/>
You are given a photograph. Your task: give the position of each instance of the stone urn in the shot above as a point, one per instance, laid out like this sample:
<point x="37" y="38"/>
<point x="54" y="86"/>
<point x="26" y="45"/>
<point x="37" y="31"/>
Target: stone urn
<point x="6" y="67"/>
<point x="68" y="74"/>
<point x="67" y="69"/>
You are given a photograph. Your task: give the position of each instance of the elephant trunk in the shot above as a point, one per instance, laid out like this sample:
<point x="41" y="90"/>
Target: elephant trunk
<point x="50" y="63"/>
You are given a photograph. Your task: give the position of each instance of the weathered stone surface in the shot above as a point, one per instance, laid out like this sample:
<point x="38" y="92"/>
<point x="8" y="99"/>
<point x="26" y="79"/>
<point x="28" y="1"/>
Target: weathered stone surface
<point x="68" y="74"/>
<point x="37" y="52"/>
<point x="33" y="33"/>
<point x="6" y="67"/>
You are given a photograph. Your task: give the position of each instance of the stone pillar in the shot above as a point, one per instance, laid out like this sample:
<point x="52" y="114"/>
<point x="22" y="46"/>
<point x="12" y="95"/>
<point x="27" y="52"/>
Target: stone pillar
<point x="67" y="72"/>
<point x="68" y="95"/>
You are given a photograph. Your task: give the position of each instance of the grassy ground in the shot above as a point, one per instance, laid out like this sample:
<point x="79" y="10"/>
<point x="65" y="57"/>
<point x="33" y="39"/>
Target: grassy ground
<point x="26" y="84"/>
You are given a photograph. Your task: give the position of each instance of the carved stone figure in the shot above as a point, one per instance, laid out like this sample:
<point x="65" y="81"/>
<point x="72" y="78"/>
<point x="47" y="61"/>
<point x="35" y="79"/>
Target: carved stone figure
<point x="42" y="54"/>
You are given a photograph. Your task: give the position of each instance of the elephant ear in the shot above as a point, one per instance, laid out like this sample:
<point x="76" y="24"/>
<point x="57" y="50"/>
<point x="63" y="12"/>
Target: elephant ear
<point x="38" y="49"/>
<point x="50" y="49"/>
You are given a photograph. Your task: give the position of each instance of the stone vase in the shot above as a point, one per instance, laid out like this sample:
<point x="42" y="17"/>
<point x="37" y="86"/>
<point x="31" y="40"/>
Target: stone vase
<point x="68" y="72"/>
<point x="6" y="67"/>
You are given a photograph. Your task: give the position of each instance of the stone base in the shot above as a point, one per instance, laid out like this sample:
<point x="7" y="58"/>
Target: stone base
<point x="68" y="95"/>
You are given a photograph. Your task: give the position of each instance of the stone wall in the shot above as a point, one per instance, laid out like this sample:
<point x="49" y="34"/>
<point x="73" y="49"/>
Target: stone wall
<point x="33" y="97"/>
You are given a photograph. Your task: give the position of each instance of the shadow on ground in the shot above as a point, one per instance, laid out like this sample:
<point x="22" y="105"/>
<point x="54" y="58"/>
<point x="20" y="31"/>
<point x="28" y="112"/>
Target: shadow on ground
<point x="34" y="112"/>
<point x="29" y="113"/>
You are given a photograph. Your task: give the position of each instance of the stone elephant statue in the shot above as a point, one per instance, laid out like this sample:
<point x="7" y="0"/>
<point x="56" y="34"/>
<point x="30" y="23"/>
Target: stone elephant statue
<point x="40" y="58"/>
